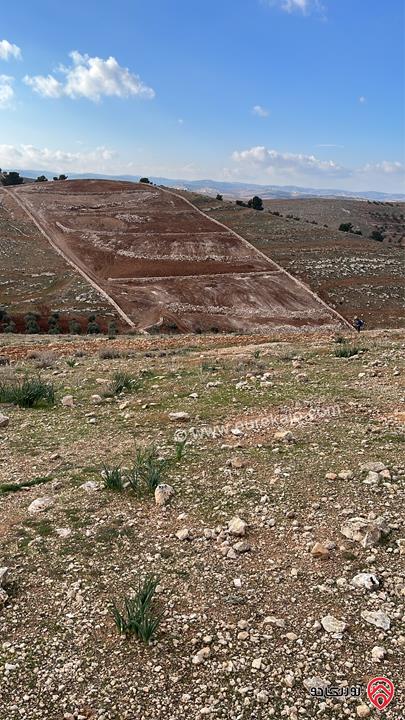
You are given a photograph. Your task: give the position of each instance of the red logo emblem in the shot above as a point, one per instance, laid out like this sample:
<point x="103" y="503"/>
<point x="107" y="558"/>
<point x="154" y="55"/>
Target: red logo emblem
<point x="380" y="692"/>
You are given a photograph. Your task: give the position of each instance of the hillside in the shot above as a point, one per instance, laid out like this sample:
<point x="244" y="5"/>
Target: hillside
<point x="161" y="262"/>
<point x="279" y="558"/>
<point x="352" y="273"/>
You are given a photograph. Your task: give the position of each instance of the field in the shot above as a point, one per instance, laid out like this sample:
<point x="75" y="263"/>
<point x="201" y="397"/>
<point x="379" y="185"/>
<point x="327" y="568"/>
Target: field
<point x="163" y="263"/>
<point x="250" y="622"/>
<point x="351" y="273"/>
<point x="34" y="277"/>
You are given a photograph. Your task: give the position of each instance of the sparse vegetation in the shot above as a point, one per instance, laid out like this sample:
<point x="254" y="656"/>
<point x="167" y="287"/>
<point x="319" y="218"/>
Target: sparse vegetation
<point x="346" y="352"/>
<point x="113" y="478"/>
<point x="123" y="382"/>
<point x="138" y="617"/>
<point x="27" y="393"/>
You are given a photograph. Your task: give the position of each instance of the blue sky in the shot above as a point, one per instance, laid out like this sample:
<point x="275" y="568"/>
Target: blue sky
<point x="305" y="92"/>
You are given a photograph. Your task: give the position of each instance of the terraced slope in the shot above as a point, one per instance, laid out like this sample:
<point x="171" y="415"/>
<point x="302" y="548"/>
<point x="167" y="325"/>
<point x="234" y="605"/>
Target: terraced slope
<point x="352" y="273"/>
<point x="164" y="263"/>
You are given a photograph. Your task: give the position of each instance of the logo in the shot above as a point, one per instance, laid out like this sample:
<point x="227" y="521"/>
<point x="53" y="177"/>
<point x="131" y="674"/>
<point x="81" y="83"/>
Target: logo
<point x="380" y="692"/>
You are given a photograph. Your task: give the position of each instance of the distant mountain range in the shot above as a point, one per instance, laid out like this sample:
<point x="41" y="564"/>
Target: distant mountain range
<point x="234" y="190"/>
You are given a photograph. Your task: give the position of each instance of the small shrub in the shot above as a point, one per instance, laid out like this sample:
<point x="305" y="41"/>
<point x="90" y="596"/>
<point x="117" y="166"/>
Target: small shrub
<point x="45" y="359"/>
<point x="75" y="327"/>
<point x="180" y="449"/>
<point x="109" y="354"/>
<point x="31" y="323"/>
<point x="138" y="617"/>
<point x="27" y="393"/>
<point x="112" y="330"/>
<point x="112" y="477"/>
<point x="339" y="339"/>
<point x="347" y="352"/>
<point x="123" y="382"/>
<point x="71" y="362"/>
<point x="148" y="468"/>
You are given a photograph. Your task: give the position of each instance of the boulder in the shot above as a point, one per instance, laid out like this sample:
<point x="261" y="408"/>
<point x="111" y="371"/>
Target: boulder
<point x="40" y="505"/>
<point x="4" y="420"/>
<point x="368" y="581"/>
<point x="179" y="416"/>
<point x="68" y="401"/>
<point x="377" y="618"/>
<point x="237" y="526"/>
<point x="333" y="625"/>
<point x="163" y="494"/>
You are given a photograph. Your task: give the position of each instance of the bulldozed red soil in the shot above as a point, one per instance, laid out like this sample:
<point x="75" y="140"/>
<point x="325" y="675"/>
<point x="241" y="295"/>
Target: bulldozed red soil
<point x="166" y="264"/>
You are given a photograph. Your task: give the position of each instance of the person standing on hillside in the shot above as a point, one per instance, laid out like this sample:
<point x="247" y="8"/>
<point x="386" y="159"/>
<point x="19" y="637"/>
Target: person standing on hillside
<point x="358" y="324"/>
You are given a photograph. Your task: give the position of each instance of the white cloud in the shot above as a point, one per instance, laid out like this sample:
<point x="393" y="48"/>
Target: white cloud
<point x="385" y="166"/>
<point x="260" y="164"/>
<point x="302" y="6"/>
<point x="6" y="91"/>
<point x="362" y="99"/>
<point x="30" y="157"/>
<point x="289" y="163"/>
<point x="260" y="111"/>
<point x="48" y="86"/>
<point x="91" y="78"/>
<point x="9" y="50"/>
<point x="329" y="145"/>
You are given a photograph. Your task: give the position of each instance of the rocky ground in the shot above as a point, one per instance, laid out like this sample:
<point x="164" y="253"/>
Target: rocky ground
<point x="279" y="556"/>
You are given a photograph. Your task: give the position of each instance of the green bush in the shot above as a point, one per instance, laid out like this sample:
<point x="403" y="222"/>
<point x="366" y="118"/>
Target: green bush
<point x="138" y="617"/>
<point x="112" y="477"/>
<point x="27" y="393"/>
<point x="347" y="352"/>
<point x="123" y="382"/>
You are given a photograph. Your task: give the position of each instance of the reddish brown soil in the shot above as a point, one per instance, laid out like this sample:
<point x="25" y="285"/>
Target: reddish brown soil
<point x="162" y="261"/>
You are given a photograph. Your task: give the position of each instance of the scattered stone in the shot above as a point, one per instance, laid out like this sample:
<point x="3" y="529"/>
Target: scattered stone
<point x="163" y="494"/>
<point x="346" y="475"/>
<point x="363" y="711"/>
<point x="179" y="416"/>
<point x="378" y="653"/>
<point x="368" y="581"/>
<point x="63" y="532"/>
<point x="96" y="399"/>
<point x="183" y="534"/>
<point x="284" y="436"/>
<point x="377" y="618"/>
<point x="237" y="463"/>
<point x="242" y="546"/>
<point x="91" y="486"/>
<point x="365" y="531"/>
<point x="237" y="526"/>
<point x="320" y="551"/>
<point x="3" y="576"/>
<point x="40" y="505"/>
<point x="68" y="401"/>
<point x="4" y="420"/>
<point x="201" y="655"/>
<point x="373" y="467"/>
<point x="333" y="625"/>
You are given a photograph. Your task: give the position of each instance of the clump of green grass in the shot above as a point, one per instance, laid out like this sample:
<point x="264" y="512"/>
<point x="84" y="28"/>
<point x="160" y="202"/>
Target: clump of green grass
<point x="148" y="468"/>
<point x="71" y="362"/>
<point x="15" y="487"/>
<point x="138" y="617"/>
<point x="113" y="478"/>
<point x="346" y="351"/>
<point x="179" y="449"/>
<point x="123" y="382"/>
<point x="27" y="393"/>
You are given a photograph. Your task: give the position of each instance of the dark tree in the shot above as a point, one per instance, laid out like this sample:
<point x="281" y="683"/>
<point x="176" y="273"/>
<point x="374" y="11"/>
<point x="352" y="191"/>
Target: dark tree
<point x="346" y="227"/>
<point x="75" y="327"/>
<point x="12" y="178"/>
<point x="256" y="203"/>
<point x="31" y="323"/>
<point x="41" y="178"/>
<point x="219" y="197"/>
<point x="377" y="235"/>
<point x="144" y="180"/>
<point x="112" y="329"/>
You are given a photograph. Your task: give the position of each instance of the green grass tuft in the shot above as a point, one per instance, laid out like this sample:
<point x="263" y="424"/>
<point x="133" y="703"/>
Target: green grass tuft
<point x="27" y="393"/>
<point x="138" y="617"/>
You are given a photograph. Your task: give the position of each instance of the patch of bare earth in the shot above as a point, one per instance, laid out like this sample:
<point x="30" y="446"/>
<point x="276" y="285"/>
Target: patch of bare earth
<point x="279" y="432"/>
